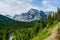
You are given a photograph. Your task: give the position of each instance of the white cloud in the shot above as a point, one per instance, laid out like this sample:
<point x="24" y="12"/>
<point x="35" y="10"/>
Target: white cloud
<point x="26" y="0"/>
<point x="51" y="8"/>
<point x="45" y="2"/>
<point x="13" y="7"/>
<point x="48" y="5"/>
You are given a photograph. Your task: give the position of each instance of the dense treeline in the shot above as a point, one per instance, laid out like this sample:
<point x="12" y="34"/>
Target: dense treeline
<point x="25" y="30"/>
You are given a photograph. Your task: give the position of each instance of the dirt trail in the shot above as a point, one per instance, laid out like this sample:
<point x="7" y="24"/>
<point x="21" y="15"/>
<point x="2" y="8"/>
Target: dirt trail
<point x="53" y="34"/>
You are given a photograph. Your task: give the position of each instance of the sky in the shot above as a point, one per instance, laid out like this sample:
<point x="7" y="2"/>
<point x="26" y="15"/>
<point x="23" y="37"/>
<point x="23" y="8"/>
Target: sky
<point x="12" y="7"/>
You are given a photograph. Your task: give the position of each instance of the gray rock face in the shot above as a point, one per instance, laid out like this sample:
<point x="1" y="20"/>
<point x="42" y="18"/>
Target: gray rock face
<point x="32" y="14"/>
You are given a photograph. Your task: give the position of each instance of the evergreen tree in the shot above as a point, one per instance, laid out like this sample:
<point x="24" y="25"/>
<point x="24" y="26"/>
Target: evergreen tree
<point x="54" y="16"/>
<point x="58" y="14"/>
<point x="49" y="19"/>
<point x="42" y="23"/>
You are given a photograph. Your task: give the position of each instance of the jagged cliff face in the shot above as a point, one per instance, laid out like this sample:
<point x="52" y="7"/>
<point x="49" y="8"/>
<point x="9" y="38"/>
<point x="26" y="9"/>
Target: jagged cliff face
<point x="55" y="33"/>
<point x="32" y="14"/>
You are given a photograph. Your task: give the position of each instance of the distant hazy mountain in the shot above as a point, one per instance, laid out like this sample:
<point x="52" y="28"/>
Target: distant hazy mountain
<point x="9" y="16"/>
<point x="32" y="14"/>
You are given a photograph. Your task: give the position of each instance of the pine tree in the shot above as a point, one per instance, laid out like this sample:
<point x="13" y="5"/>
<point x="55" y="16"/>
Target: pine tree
<point x="42" y="23"/>
<point x="49" y="19"/>
<point x="58" y="14"/>
<point x="54" y="16"/>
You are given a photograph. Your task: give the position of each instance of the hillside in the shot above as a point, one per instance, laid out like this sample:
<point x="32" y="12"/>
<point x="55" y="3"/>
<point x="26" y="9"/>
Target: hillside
<point x="20" y="30"/>
<point x="10" y="22"/>
<point x="48" y="33"/>
<point x="54" y="32"/>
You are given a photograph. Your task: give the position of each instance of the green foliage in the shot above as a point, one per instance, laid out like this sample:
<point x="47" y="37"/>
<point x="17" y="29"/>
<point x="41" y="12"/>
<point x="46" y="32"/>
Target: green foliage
<point x="49" y="19"/>
<point x="54" y="16"/>
<point x="58" y="13"/>
<point x="43" y="23"/>
<point x="45" y="32"/>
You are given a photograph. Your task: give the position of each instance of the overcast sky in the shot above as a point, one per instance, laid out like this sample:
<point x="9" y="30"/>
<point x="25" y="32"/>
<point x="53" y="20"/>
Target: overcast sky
<point x="13" y="7"/>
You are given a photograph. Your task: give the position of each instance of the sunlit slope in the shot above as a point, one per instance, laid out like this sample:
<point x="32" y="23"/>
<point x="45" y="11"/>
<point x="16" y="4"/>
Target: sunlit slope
<point x="55" y="33"/>
<point x="49" y="33"/>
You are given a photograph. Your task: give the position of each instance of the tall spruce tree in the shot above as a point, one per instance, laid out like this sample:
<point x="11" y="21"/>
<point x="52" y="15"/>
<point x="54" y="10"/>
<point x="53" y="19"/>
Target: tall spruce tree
<point x="54" y="16"/>
<point x="42" y="23"/>
<point x="49" y="19"/>
<point x="58" y="14"/>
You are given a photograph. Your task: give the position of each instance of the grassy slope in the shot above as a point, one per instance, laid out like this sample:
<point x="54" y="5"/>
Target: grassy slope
<point x="45" y="33"/>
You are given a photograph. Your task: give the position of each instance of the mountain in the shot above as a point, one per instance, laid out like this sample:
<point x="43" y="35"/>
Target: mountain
<point x="32" y="14"/>
<point x="9" y="16"/>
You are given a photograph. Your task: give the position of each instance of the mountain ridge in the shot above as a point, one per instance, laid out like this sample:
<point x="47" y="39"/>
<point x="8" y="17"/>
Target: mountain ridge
<point x="32" y="14"/>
